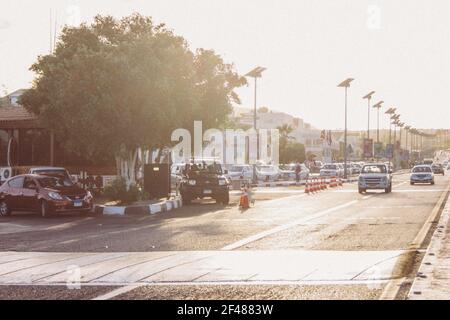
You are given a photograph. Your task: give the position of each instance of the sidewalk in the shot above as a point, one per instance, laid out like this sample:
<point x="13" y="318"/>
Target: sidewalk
<point x="433" y="278"/>
<point x="108" y="268"/>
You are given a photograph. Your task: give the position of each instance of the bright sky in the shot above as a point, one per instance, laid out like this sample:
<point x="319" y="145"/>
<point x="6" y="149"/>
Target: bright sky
<point x="400" y="49"/>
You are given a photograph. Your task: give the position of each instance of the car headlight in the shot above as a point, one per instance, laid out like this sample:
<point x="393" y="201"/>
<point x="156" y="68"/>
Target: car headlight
<point x="192" y="182"/>
<point x="55" y="195"/>
<point x="222" y="182"/>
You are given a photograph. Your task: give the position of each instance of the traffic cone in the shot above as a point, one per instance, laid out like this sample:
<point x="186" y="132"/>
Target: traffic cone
<point x="307" y="189"/>
<point x="243" y="201"/>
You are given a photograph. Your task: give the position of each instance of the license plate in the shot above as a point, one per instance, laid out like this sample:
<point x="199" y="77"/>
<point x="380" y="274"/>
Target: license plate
<point x="78" y="203"/>
<point x="207" y="191"/>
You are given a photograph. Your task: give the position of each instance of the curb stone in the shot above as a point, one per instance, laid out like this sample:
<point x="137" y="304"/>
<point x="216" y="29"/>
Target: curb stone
<point x="153" y="208"/>
<point x="423" y="282"/>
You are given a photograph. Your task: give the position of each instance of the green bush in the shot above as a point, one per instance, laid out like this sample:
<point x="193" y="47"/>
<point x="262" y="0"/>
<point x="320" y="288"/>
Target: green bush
<point x="118" y="191"/>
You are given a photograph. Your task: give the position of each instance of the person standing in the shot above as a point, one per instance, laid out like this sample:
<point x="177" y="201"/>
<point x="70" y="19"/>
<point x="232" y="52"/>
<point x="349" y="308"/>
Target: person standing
<point x="298" y="170"/>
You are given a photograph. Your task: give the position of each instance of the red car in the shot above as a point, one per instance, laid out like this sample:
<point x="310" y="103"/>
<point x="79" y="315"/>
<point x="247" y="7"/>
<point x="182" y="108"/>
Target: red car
<point x="43" y="194"/>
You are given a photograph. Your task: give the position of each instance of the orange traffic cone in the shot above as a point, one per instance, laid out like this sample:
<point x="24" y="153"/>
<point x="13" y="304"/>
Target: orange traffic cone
<point x="243" y="201"/>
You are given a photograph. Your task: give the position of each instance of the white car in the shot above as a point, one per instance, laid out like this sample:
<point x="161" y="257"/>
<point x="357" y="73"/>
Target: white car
<point x="287" y="171"/>
<point x="267" y="172"/>
<point x="331" y="170"/>
<point x="375" y="176"/>
<point x="422" y="174"/>
<point x="240" y="171"/>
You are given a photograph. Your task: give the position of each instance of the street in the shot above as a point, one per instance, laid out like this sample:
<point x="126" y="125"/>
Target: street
<point x="335" y="244"/>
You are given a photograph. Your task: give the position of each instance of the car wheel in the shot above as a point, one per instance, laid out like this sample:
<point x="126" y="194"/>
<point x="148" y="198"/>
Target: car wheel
<point x="45" y="209"/>
<point x="361" y="190"/>
<point x="432" y="182"/>
<point x="5" y="210"/>
<point x="411" y="183"/>
<point x="226" y="199"/>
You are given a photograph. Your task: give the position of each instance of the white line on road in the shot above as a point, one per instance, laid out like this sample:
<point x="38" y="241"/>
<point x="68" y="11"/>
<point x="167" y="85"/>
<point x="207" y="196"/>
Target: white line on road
<point x="286" y="226"/>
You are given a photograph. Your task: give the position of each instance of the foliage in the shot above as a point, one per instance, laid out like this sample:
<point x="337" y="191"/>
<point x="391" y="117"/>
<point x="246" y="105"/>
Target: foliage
<point x="119" y="191"/>
<point x="292" y="152"/>
<point x="116" y="85"/>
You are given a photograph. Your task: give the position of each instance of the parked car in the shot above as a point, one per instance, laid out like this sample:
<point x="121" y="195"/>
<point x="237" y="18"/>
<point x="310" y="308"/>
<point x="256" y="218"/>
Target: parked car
<point x="331" y="170"/>
<point x="287" y="171"/>
<point x="438" y="169"/>
<point x="204" y="180"/>
<point x="43" y="194"/>
<point x="267" y="172"/>
<point x="448" y="166"/>
<point x="375" y="176"/>
<point x="422" y="174"/>
<point x="355" y="168"/>
<point x="241" y="171"/>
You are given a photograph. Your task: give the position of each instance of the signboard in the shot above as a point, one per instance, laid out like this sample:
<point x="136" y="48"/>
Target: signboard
<point x="378" y="150"/>
<point x="368" y="148"/>
<point x="389" y="151"/>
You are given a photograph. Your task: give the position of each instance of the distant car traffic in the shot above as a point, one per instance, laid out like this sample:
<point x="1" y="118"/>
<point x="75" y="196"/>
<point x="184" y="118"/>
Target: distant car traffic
<point x="331" y="170"/>
<point x="375" y="176"/>
<point x="243" y="171"/>
<point x="287" y="171"/>
<point x="438" y="169"/>
<point x="422" y="174"/>
<point x="44" y="194"/>
<point x="267" y="172"/>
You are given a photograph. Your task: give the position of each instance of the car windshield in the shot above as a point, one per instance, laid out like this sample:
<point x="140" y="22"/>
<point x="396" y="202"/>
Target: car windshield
<point x="330" y="166"/>
<point x="55" y="182"/>
<point x="374" y="169"/>
<point x="53" y="173"/>
<point x="203" y="167"/>
<point x="421" y="169"/>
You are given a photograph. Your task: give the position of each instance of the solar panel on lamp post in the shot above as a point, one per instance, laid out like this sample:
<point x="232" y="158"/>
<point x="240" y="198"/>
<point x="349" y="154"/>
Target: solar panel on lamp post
<point x="378" y="107"/>
<point x="368" y="97"/>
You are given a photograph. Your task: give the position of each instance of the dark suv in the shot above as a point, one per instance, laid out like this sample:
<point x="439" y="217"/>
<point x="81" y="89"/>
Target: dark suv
<point x="438" y="169"/>
<point x="202" y="180"/>
<point x="43" y="194"/>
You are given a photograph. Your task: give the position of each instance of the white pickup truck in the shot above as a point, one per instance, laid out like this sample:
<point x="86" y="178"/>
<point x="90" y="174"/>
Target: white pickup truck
<point x="375" y="176"/>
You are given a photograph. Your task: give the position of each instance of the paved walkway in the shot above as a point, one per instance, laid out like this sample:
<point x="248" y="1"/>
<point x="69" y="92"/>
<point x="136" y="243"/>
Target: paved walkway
<point x="433" y="278"/>
<point x="341" y="267"/>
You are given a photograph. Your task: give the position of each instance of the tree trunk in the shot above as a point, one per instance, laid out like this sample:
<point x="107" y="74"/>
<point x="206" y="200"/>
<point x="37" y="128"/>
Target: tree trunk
<point x="126" y="166"/>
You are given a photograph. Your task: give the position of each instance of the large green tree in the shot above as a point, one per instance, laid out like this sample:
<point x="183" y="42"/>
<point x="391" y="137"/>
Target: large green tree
<point x="116" y="86"/>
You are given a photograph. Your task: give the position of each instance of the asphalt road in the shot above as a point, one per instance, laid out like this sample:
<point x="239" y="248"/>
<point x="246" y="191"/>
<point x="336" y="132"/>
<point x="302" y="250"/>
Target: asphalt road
<point x="334" y="221"/>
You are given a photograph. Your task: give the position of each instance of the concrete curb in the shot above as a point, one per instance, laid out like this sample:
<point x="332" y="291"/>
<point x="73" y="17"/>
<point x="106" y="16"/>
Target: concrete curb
<point x="422" y="286"/>
<point x="153" y="208"/>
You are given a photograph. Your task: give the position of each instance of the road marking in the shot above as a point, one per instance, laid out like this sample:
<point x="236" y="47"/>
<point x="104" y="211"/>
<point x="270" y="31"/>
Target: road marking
<point x="286" y="226"/>
<point x="118" y="292"/>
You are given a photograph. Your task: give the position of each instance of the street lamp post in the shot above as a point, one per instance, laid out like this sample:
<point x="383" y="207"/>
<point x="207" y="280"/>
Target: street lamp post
<point x="368" y="97"/>
<point x="378" y="107"/>
<point x="345" y="84"/>
<point x="255" y="73"/>
<point x="390" y="112"/>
